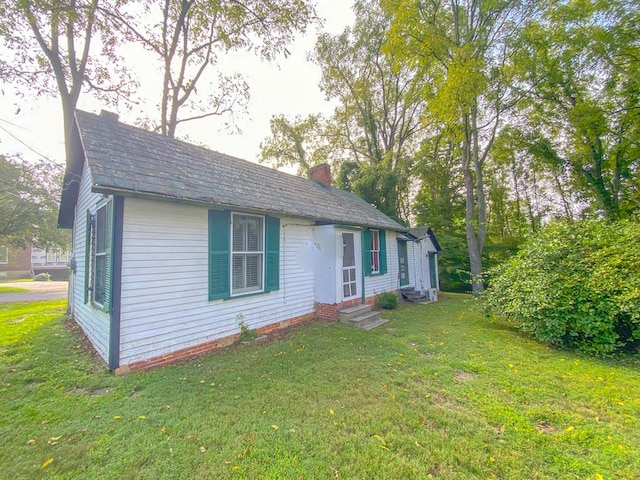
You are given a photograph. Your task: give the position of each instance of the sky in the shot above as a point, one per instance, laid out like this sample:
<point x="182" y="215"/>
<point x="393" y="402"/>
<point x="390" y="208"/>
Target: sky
<point x="288" y="86"/>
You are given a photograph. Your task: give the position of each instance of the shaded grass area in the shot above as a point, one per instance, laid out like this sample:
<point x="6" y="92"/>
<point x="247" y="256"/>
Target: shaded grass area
<point x="438" y="392"/>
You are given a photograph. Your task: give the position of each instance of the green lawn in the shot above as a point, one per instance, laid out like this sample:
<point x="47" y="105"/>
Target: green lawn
<point x="12" y="289"/>
<point x="439" y="392"/>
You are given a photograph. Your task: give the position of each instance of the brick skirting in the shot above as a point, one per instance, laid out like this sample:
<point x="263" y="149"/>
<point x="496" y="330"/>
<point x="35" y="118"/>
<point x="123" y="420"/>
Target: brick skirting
<point x="198" y="350"/>
<point x="323" y="311"/>
<point x="330" y="312"/>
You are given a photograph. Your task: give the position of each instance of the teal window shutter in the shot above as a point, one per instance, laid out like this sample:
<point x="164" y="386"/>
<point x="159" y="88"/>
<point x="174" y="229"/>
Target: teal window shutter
<point x="88" y="257"/>
<point x="383" y="252"/>
<point x="106" y="306"/>
<point x="366" y="251"/>
<point x="272" y="250"/>
<point x="219" y="246"/>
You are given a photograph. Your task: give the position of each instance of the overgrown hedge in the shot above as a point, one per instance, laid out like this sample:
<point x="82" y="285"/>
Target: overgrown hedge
<point x="574" y="285"/>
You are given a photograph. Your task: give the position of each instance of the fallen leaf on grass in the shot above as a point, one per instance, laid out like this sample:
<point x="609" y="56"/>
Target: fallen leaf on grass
<point x="31" y="441"/>
<point x="203" y="449"/>
<point x="47" y="462"/>
<point x="275" y="427"/>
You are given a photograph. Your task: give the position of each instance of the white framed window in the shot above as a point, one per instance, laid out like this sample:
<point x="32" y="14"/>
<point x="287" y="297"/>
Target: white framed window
<point x="52" y="256"/>
<point x="375" y="251"/>
<point x="99" y="279"/>
<point x="4" y="255"/>
<point x="247" y="253"/>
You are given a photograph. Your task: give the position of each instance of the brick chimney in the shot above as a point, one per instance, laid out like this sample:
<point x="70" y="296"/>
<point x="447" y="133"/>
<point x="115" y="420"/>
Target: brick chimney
<point x="108" y="116"/>
<point x="321" y="174"/>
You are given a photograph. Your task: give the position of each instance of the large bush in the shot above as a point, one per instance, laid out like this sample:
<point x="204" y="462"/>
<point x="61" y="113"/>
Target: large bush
<point x="574" y="285"/>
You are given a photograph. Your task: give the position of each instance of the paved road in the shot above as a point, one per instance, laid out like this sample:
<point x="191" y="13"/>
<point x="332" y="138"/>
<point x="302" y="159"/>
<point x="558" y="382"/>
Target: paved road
<point x="38" y="291"/>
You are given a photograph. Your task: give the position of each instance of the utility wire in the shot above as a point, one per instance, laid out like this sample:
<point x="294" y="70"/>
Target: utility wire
<point x="29" y="146"/>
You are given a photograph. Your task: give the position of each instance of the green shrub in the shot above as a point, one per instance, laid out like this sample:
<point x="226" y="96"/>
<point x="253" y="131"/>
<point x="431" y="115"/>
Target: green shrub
<point x="387" y="300"/>
<point x="574" y="285"/>
<point x="42" y="277"/>
<point x="246" y="334"/>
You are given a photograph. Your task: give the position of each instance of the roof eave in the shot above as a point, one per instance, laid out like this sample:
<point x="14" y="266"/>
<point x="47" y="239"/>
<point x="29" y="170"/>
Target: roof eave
<point x="111" y="190"/>
<point x="71" y="182"/>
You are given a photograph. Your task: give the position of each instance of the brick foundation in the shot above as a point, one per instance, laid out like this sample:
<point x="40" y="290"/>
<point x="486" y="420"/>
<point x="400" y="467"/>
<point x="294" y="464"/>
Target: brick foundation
<point x="330" y="312"/>
<point x="198" y="350"/>
<point x="323" y="311"/>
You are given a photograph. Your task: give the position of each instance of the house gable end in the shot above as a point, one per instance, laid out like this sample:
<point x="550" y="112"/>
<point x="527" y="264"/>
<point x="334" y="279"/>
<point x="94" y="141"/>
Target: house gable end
<point x="71" y="182"/>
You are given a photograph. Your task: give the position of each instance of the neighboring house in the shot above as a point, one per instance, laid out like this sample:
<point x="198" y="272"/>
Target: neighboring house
<point x="176" y="246"/>
<point x="15" y="262"/>
<point x="53" y="261"/>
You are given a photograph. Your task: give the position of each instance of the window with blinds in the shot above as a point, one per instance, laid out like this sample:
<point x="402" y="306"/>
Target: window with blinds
<point x="247" y="253"/>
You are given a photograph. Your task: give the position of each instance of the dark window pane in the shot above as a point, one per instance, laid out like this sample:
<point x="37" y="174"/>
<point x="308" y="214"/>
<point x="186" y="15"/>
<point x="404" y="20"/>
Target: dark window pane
<point x="99" y="280"/>
<point x="349" y="257"/>
<point x="101" y="230"/>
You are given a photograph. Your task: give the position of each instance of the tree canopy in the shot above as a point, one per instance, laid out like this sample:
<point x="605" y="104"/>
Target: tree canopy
<point x="485" y="119"/>
<point x="188" y="37"/>
<point x="29" y="199"/>
<point x="59" y="47"/>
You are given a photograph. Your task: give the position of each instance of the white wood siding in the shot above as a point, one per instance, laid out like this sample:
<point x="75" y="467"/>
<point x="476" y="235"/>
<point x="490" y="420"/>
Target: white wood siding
<point x="95" y="323"/>
<point x="165" y="304"/>
<point x="418" y="266"/>
<point x="328" y="264"/>
<point x="389" y="281"/>
<point x="419" y="263"/>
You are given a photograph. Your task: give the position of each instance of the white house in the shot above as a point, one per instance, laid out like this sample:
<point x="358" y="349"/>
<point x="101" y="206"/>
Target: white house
<point x="176" y="246"/>
<point x="54" y="261"/>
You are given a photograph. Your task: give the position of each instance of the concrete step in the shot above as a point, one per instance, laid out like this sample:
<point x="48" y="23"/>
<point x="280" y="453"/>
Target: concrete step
<point x="353" y="312"/>
<point x="377" y="323"/>
<point x="366" y="321"/>
<point x="411" y="295"/>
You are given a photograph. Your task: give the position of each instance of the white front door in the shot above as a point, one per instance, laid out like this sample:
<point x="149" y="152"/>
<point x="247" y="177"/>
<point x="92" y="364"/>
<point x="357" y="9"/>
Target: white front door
<point x="349" y="277"/>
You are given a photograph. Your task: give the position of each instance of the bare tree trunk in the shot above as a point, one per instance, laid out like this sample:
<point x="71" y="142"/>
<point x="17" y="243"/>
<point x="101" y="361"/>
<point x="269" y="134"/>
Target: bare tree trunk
<point x="475" y="202"/>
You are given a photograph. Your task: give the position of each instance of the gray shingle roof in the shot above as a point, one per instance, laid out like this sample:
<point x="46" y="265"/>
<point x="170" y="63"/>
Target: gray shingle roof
<point x="422" y="231"/>
<point x="128" y="160"/>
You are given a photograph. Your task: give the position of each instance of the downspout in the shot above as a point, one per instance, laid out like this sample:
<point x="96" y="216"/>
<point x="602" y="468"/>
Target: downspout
<point x="116" y="283"/>
<point x="363" y="257"/>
